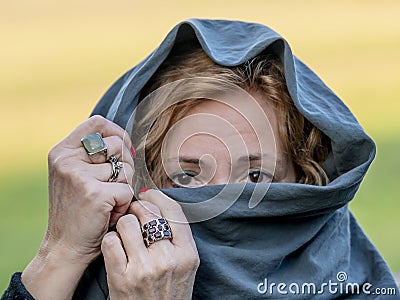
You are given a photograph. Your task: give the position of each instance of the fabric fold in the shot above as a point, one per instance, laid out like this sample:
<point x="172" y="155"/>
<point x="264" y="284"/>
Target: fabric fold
<point x="298" y="234"/>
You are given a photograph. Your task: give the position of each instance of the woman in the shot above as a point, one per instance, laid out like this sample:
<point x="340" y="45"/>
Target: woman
<point x="247" y="144"/>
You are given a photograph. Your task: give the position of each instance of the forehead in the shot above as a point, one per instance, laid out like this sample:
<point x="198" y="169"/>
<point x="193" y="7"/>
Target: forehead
<point x="243" y="123"/>
<point x="245" y="111"/>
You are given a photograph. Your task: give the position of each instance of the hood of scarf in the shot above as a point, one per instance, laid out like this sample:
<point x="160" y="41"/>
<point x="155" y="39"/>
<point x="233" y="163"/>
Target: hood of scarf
<point x="297" y="234"/>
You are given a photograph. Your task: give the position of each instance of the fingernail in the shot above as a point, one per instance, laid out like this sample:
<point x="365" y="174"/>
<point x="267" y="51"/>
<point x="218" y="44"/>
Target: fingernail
<point x="144" y="190"/>
<point x="133" y="152"/>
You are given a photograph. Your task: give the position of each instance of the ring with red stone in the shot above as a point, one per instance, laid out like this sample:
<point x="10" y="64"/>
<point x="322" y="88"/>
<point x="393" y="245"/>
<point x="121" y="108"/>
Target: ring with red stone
<point x="156" y="230"/>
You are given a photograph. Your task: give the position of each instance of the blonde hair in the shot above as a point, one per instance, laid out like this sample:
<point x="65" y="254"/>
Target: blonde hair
<point x="303" y="143"/>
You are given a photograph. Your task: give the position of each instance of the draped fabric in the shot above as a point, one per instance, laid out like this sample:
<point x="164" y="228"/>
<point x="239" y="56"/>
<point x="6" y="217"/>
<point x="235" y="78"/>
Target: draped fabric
<point x="298" y="235"/>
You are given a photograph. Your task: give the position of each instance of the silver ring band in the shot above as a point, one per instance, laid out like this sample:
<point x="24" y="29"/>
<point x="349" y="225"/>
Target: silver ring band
<point x="116" y="166"/>
<point x="156" y="230"/>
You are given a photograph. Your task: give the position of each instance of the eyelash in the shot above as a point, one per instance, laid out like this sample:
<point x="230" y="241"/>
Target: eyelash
<point x="173" y="179"/>
<point x="189" y="173"/>
<point x="269" y="175"/>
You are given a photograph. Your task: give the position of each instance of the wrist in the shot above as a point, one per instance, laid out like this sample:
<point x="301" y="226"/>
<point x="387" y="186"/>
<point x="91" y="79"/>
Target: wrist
<point x="54" y="272"/>
<point x="63" y="255"/>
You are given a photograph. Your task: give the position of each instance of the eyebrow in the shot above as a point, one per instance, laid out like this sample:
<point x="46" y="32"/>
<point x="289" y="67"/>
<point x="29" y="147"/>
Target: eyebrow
<point x="252" y="157"/>
<point x="244" y="158"/>
<point x="185" y="159"/>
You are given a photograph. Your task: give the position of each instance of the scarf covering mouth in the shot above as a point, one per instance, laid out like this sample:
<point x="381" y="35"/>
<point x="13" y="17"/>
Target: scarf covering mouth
<point x="298" y="236"/>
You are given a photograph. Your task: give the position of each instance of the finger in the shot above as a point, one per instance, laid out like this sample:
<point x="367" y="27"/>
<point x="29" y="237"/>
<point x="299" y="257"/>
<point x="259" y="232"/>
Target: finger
<point x="115" y="146"/>
<point x="118" y="148"/>
<point x="102" y="172"/>
<point x="146" y="212"/>
<point x="172" y="211"/>
<point x="114" y="255"/>
<point x="130" y="232"/>
<point x="121" y="197"/>
<point x="96" y="124"/>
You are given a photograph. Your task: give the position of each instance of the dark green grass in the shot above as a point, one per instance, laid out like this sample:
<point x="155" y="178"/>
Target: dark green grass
<point x="23" y="209"/>
<point x="23" y="220"/>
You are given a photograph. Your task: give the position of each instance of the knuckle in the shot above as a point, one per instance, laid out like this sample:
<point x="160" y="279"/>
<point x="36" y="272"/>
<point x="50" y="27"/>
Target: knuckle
<point x="90" y="190"/>
<point x="116" y="145"/>
<point x="56" y="151"/>
<point x="145" y="209"/>
<point x="109" y="240"/>
<point x="97" y="121"/>
<point x="146" y="275"/>
<point x="133" y="207"/>
<point x="194" y="261"/>
<point x="116" y="141"/>
<point x="62" y="163"/>
<point x="126" y="173"/>
<point x="188" y="265"/>
<point x="126" y="221"/>
<point x="167" y="266"/>
<point x="51" y="156"/>
<point x="124" y="291"/>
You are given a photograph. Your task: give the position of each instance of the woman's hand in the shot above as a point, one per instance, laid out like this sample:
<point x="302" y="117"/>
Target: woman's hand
<point x="164" y="270"/>
<point x="82" y="206"/>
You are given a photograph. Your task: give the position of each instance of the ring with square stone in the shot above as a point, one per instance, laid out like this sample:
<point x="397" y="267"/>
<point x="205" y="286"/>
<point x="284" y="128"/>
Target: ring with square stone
<point x="94" y="144"/>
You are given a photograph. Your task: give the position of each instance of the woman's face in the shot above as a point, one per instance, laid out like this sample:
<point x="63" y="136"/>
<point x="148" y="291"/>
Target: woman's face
<point x="215" y="144"/>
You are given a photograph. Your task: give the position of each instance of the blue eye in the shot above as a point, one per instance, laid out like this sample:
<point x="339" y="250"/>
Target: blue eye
<point x="257" y="175"/>
<point x="184" y="179"/>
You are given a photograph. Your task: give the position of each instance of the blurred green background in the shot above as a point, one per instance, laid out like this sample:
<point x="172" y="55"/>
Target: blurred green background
<point x="58" y="58"/>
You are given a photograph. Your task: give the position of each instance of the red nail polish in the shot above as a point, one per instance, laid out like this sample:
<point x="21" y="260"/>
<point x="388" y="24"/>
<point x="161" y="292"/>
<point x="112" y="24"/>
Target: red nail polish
<point x="144" y="190"/>
<point x="133" y="152"/>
